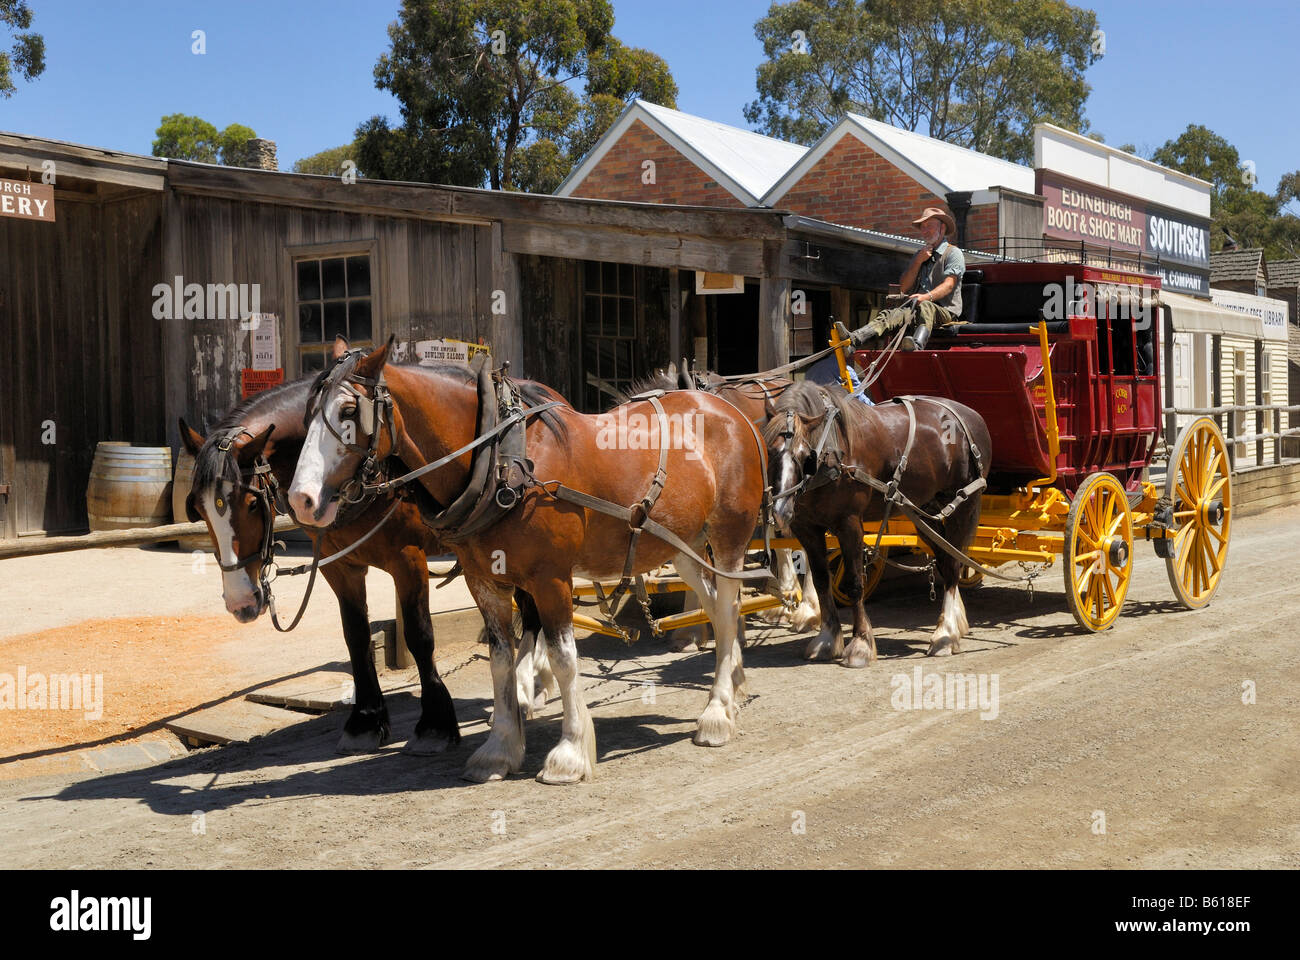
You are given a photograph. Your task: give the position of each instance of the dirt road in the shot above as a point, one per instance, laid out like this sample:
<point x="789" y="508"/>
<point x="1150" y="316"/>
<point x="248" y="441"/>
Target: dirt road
<point x="1131" y="748"/>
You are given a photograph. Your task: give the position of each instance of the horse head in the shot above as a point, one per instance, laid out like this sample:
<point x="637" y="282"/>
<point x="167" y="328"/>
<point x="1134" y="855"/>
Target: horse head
<point x="233" y="492"/>
<point x="351" y="423"/>
<point x="790" y="435"/>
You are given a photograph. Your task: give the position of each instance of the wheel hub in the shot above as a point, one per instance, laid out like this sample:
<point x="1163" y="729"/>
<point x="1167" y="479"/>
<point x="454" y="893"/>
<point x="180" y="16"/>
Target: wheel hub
<point x="1117" y="551"/>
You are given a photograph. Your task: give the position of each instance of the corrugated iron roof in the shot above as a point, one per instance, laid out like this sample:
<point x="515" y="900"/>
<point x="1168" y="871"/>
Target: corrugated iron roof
<point x="753" y="161"/>
<point x="957" y="168"/>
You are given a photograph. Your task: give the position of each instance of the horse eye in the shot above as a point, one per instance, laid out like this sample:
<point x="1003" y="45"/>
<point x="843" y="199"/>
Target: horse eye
<point x="349" y="410"/>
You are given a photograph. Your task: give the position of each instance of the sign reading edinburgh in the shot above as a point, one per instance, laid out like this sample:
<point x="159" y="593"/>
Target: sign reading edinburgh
<point x="26" y="201"/>
<point x="1103" y="218"/>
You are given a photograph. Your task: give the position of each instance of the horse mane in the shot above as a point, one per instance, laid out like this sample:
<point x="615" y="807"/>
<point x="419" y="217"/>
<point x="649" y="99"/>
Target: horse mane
<point x="210" y="463"/>
<point x="808" y="399"/>
<point x="531" y="392"/>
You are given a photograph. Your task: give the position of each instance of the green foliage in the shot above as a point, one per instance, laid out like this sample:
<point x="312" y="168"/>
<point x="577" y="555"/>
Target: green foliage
<point x="231" y="141"/>
<point x="486" y="90"/>
<point x="977" y="73"/>
<point x="183" y="137"/>
<point x="1252" y="216"/>
<point x="26" y="57"/>
<point x="328" y="162"/>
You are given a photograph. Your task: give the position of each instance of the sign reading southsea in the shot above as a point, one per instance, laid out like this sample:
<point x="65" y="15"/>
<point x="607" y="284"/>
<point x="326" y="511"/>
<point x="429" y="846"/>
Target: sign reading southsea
<point x="1099" y="217"/>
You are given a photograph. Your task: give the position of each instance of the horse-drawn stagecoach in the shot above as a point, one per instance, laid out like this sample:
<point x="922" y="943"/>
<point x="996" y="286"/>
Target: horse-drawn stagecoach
<point x="1030" y="429"/>
<point x="1062" y="360"/>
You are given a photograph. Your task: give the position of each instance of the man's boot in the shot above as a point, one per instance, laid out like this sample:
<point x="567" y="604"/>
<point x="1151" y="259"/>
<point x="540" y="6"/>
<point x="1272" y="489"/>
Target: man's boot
<point x="862" y="338"/>
<point x="918" y="338"/>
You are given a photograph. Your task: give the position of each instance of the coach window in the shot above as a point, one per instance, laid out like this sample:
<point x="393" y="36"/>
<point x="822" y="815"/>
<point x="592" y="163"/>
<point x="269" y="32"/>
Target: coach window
<point x="334" y="298"/>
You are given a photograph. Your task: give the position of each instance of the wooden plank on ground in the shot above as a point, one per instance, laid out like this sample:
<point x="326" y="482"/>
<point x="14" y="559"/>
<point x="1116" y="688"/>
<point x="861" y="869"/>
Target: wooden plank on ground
<point x="234" y="721"/>
<point x="323" y="690"/>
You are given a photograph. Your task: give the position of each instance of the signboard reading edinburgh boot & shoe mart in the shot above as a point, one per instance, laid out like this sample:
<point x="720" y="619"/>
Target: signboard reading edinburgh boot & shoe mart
<point x="1111" y="199"/>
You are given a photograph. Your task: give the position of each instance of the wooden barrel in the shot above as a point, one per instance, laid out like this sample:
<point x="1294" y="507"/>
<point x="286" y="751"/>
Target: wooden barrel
<point x="129" y="487"/>
<point x="180" y="490"/>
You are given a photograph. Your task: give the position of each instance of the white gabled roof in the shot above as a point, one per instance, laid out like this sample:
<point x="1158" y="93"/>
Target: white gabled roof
<point x="938" y="166"/>
<point x="745" y="163"/>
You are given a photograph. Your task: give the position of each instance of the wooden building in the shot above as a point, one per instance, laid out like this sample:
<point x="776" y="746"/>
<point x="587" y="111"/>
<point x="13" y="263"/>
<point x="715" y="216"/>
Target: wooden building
<point x="137" y="303"/>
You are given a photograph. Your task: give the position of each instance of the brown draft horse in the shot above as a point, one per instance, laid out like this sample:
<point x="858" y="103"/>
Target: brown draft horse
<point x="873" y="439"/>
<point x="711" y="499"/>
<point x="269" y="426"/>
<point x="752" y="396"/>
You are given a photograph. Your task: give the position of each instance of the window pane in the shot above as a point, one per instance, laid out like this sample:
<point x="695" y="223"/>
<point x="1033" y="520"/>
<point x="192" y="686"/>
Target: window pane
<point x="358" y="276"/>
<point x="309" y="328"/>
<point x="609" y="277"/>
<point x="332" y="282"/>
<point x="591" y="314"/>
<point x="308" y="279"/>
<point x="336" y="320"/>
<point x="313" y="361"/>
<point x="626" y="317"/>
<point x="625" y="279"/>
<point x="359" y="319"/>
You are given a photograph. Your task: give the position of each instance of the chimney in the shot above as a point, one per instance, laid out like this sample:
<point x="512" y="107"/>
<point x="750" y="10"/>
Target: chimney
<point x="259" y="154"/>
<point x="959" y="204"/>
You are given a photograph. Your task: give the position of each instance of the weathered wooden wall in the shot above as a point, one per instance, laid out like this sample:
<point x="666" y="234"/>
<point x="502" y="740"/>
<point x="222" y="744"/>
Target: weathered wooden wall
<point x="80" y="352"/>
<point x="428" y="280"/>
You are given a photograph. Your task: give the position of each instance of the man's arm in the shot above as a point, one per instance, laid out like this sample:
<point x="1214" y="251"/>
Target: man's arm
<point x="944" y="288"/>
<point x="908" y="283"/>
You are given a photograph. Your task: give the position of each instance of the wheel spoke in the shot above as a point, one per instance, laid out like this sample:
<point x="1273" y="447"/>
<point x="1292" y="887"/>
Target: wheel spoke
<point x="1215" y="487"/>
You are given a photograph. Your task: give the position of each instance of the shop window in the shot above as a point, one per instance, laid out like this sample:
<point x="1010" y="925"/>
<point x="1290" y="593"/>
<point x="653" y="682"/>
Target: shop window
<point x="609" y="333"/>
<point x="334" y="297"/>
<point x="1239" y="398"/>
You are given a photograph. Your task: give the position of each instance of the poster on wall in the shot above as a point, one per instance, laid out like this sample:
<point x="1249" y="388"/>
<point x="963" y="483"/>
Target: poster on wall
<point x="265" y="334"/>
<point x="430" y="352"/>
<point x="255" y="381"/>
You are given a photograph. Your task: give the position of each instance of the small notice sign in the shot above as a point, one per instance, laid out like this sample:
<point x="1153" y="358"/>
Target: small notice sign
<point x="266" y="342"/>
<point x="429" y="352"/>
<point x="26" y="201"/>
<point x="255" y="381"/>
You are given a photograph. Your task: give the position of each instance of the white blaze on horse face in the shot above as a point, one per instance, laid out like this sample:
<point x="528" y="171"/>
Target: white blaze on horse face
<point x="321" y="455"/>
<point x="237" y="587"/>
<point x="788" y="472"/>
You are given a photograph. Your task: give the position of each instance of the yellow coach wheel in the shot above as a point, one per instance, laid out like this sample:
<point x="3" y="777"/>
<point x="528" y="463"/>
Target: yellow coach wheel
<point x="1098" y="552"/>
<point x="1199" y="483"/>
<point x="871" y="579"/>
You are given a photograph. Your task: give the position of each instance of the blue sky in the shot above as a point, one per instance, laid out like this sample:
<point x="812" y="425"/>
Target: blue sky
<point x="301" y="71"/>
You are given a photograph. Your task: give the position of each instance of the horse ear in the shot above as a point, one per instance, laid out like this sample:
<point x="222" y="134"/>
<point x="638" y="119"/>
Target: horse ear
<point x="190" y="438"/>
<point x="250" y="451"/>
<point x="340" y="347"/>
<point x="371" y="364"/>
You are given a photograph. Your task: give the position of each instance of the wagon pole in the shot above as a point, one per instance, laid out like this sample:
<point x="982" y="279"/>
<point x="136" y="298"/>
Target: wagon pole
<point x="113" y="538"/>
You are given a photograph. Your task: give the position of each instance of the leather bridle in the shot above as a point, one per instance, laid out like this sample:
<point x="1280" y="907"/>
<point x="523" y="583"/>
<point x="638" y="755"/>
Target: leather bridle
<point x="260" y="481"/>
<point x="373" y="412"/>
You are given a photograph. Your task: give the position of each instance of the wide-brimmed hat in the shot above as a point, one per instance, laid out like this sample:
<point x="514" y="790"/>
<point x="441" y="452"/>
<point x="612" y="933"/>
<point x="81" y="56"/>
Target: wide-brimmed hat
<point x="937" y="213"/>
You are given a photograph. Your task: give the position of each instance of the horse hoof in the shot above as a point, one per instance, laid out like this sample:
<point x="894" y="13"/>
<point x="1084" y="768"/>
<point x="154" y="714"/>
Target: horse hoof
<point x="491" y="762"/>
<point x="716" y="728"/>
<point x="803" y="620"/>
<point x="368" y="741"/>
<point x="942" y="647"/>
<point x="427" y="744"/>
<point x="567" y="763"/>
<point x="858" y="654"/>
<point x="820" y="647"/>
